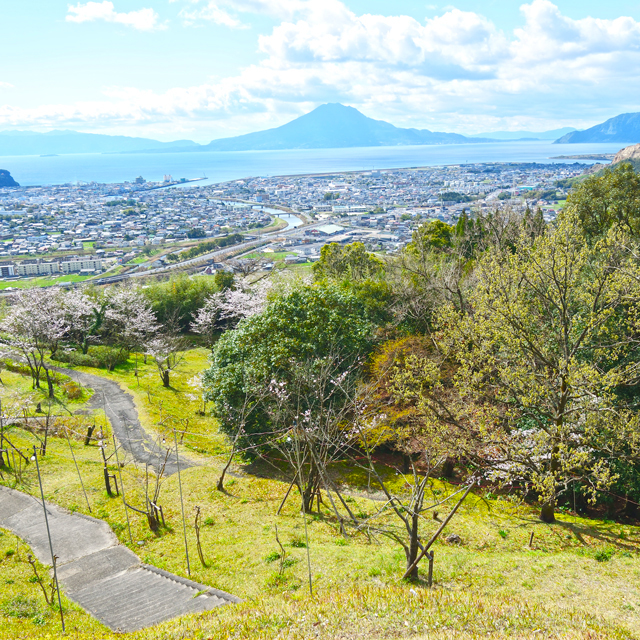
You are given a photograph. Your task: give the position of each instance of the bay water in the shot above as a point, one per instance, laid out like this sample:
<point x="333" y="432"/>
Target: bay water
<point x="234" y="165"/>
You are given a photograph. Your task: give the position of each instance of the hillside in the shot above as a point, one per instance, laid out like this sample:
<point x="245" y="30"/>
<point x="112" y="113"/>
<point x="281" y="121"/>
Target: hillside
<point x="622" y="128"/>
<point x="27" y="143"/>
<point x="335" y="126"/>
<point x="573" y="579"/>
<point x="6" y="180"/>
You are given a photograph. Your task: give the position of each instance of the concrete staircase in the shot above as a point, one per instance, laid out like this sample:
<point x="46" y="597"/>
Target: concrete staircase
<point x="101" y="575"/>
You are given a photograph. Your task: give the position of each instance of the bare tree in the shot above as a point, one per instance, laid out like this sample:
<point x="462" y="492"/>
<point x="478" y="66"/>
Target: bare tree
<point x="246" y="266"/>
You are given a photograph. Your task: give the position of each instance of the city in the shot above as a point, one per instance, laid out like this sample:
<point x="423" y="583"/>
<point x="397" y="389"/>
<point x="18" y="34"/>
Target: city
<point x="81" y="231"/>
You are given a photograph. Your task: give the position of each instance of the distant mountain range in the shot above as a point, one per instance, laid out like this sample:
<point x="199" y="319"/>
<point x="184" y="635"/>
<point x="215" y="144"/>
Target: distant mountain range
<point x="622" y="128"/>
<point x="329" y="126"/>
<point x="30" y="143"/>
<point x="526" y="135"/>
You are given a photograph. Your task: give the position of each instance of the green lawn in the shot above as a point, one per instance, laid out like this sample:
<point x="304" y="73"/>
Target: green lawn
<point x="578" y="580"/>
<point x="275" y="256"/>
<point x="43" y="281"/>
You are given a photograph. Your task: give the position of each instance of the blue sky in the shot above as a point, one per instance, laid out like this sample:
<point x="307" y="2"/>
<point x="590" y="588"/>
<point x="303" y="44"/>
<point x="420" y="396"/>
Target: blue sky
<point x="203" y="69"/>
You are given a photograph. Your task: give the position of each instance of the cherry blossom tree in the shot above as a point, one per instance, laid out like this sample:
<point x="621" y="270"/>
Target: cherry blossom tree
<point x="228" y="307"/>
<point x="85" y="316"/>
<point x="167" y="352"/>
<point x="34" y="325"/>
<point x="130" y="317"/>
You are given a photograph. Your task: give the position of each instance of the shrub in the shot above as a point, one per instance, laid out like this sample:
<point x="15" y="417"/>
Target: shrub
<point x="73" y="391"/>
<point x="99" y="357"/>
<point x="603" y="555"/>
<point x="16" y="367"/>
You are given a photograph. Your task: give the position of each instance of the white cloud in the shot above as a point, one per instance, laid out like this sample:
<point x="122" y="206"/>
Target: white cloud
<point x="456" y="71"/>
<point x="218" y="10"/>
<point x="212" y="12"/>
<point x="142" y="20"/>
<point x="6" y="85"/>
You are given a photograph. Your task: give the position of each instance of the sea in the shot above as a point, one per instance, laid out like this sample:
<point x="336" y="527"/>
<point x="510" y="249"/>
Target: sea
<point x="234" y="165"/>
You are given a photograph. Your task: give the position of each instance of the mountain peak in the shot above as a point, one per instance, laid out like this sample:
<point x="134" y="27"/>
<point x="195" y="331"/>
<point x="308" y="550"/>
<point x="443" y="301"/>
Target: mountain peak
<point x="622" y="128"/>
<point x="333" y="126"/>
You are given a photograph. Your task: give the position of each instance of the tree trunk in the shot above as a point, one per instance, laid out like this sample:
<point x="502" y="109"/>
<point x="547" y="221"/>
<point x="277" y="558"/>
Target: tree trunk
<point x="413" y="549"/>
<point x="85" y="345"/>
<point x="50" y="384"/>
<point x="447" y="468"/>
<point x="165" y="378"/>
<point x="547" y="512"/>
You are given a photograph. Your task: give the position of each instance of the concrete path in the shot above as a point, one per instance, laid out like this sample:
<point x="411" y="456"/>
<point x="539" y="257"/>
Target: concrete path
<point x="123" y="416"/>
<point x="105" y="578"/>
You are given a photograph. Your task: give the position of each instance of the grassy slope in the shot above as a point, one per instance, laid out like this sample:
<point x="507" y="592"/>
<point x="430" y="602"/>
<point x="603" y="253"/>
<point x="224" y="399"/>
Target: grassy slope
<point x="491" y="585"/>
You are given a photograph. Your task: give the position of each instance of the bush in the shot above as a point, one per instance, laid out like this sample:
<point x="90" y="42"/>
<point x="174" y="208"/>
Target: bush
<point x="16" y="367"/>
<point x="73" y="391"/>
<point x="98" y="357"/>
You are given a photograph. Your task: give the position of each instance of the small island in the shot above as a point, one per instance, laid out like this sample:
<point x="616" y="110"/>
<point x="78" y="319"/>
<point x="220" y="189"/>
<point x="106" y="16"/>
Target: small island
<point x="6" y="180"/>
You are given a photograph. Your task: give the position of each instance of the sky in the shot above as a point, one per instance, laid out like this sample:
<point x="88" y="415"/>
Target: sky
<point x="205" y="69"/>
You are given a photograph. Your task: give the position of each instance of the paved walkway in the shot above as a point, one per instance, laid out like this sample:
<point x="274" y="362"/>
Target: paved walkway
<point x="101" y="575"/>
<point x="123" y="416"/>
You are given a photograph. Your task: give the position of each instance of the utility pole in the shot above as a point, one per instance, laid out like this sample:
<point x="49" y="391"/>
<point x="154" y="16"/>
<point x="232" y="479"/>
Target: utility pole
<point x="184" y="522"/>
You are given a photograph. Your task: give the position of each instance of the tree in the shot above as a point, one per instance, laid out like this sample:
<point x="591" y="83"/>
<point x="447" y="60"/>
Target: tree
<point x="226" y="308"/>
<point x="167" y="353"/>
<point x="298" y="327"/>
<point x="246" y="266"/>
<point x="85" y="316"/>
<point x="197" y="232"/>
<point x="34" y="325"/>
<point x="433" y="235"/>
<point x="130" y="319"/>
<point x="548" y="340"/>
<point x="351" y="261"/>
<point x="610" y="199"/>
<point x="179" y="299"/>
<point x="224" y="280"/>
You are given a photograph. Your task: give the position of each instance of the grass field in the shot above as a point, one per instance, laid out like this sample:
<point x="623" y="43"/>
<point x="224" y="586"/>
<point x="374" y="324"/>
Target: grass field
<point x="44" y="281"/>
<point x="579" y="579"/>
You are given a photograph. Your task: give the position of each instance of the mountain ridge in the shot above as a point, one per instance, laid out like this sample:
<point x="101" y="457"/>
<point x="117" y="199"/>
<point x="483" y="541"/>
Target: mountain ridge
<point x="621" y="128"/>
<point x="514" y="136"/>
<point x="59" y="142"/>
